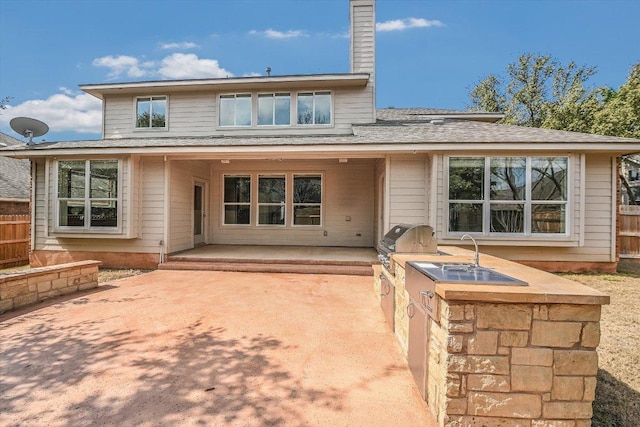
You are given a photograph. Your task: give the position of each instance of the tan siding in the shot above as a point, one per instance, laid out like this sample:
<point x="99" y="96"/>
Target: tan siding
<point x="38" y="221"/>
<point x="195" y="115"/>
<point x="348" y="191"/>
<point x="598" y="220"/>
<point x="150" y="229"/>
<point x="408" y="192"/>
<point x="183" y="174"/>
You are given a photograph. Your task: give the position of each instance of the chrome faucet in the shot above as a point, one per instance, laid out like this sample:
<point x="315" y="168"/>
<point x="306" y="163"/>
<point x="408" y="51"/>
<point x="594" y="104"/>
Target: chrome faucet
<point x="476" y="260"/>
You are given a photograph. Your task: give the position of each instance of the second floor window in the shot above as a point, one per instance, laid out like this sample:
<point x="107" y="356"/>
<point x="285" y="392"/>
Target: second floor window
<point x="151" y="112"/>
<point x="314" y="108"/>
<point x="274" y="109"/>
<point x="235" y="110"/>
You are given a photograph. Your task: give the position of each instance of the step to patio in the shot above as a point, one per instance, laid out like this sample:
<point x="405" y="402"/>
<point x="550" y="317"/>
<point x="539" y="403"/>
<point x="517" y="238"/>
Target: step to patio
<point x="277" y="266"/>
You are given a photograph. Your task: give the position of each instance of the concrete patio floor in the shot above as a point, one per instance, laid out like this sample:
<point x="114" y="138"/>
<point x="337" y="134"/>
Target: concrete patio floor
<point x="208" y="348"/>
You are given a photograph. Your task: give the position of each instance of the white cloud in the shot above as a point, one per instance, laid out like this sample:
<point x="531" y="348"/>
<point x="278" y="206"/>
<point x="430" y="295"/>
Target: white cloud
<point x="189" y="66"/>
<point x="404" y="24"/>
<point x="178" y="46"/>
<point x="67" y="91"/>
<point x="61" y="112"/>
<point x="123" y="64"/>
<point x="279" y="35"/>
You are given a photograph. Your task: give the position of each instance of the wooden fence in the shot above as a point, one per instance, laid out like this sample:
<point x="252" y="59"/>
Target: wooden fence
<point x="14" y="240"/>
<point x="629" y="233"/>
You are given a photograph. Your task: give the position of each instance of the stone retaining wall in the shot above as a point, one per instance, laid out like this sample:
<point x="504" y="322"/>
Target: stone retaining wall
<point x="38" y="284"/>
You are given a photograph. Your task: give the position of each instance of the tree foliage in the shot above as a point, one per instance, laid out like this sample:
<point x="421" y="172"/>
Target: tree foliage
<point x="620" y="115"/>
<point x="538" y="91"/>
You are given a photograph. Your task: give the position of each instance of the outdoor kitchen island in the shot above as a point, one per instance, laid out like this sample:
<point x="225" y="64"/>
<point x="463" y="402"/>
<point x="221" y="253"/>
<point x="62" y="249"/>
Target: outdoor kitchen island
<point x="508" y="355"/>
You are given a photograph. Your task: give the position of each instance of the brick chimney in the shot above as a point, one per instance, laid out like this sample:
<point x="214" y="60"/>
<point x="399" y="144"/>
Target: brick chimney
<point x="362" y="14"/>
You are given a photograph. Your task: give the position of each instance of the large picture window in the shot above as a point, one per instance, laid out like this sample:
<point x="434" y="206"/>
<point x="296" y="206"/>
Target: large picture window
<point x="88" y="194"/>
<point x="235" y="110"/>
<point x="314" y="108"/>
<point x="307" y="200"/>
<point x="274" y="109"/>
<point x="237" y="200"/>
<point x="508" y="195"/>
<point x="151" y="112"/>
<point x="271" y="199"/>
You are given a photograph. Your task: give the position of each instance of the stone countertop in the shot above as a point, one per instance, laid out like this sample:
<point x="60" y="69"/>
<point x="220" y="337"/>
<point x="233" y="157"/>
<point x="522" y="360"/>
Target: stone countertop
<point x="542" y="287"/>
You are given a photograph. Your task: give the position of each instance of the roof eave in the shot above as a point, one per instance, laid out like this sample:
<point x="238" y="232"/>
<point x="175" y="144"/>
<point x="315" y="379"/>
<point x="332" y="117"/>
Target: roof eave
<point x="319" y="81"/>
<point x="231" y="151"/>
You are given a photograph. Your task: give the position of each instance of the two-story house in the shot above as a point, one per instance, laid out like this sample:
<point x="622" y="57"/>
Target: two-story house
<point x="308" y="160"/>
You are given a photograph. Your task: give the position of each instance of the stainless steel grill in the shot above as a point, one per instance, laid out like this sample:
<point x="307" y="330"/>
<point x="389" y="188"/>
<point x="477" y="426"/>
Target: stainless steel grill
<point x="406" y="238"/>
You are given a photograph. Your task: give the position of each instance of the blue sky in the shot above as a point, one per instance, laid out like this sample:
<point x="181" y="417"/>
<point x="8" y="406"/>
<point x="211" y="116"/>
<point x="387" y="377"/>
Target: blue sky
<point x="429" y="53"/>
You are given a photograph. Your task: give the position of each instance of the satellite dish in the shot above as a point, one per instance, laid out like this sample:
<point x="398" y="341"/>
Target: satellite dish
<point x="28" y="127"/>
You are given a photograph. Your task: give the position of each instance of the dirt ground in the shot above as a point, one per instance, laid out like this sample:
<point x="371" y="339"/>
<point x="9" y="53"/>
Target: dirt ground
<point x="617" y="401"/>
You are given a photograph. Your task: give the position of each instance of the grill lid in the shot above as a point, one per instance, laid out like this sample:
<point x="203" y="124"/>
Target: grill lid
<point x="416" y="238"/>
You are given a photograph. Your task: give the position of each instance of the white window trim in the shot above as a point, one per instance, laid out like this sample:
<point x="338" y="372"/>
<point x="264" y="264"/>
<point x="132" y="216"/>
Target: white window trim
<point x="235" y="96"/>
<point x="284" y="205"/>
<point x="150" y="129"/>
<point x="224" y="204"/>
<point x="322" y="200"/>
<point x="273" y="124"/>
<point x="87" y="200"/>
<point x="528" y="237"/>
<point x="289" y="205"/>
<point x="331" y="109"/>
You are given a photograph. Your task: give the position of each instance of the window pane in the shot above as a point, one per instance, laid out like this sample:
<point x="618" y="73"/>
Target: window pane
<point x="283" y="109"/>
<point x="159" y="112"/>
<point x="243" y="110"/>
<point x="71" y="213"/>
<point x="271" y="189"/>
<point x="305" y="108"/>
<point x="307" y="189"/>
<point x="237" y="214"/>
<point x="508" y="178"/>
<point x="465" y="217"/>
<point x="104" y="214"/>
<point x="265" y="110"/>
<point x="306" y="215"/>
<point x="71" y="179"/>
<point x="466" y="178"/>
<point x="507" y="218"/>
<point x="237" y="189"/>
<point x="104" y="179"/>
<point x="323" y="108"/>
<point x="549" y="178"/>
<point x="143" y="112"/>
<point x="271" y="215"/>
<point x="227" y="110"/>
<point x="548" y="219"/>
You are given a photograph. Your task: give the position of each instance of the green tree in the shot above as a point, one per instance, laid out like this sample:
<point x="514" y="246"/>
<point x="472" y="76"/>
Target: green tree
<point x="620" y="115"/>
<point x="538" y="91"/>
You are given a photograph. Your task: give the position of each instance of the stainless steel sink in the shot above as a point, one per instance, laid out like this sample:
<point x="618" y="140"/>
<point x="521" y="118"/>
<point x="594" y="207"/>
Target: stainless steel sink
<point x="465" y="273"/>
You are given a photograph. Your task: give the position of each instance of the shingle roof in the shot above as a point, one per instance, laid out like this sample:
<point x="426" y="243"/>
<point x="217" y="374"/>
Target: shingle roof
<point x="393" y="127"/>
<point x="14" y="174"/>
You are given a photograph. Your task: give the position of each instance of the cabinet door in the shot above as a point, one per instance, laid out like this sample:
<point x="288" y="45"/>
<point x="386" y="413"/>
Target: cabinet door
<point x="417" y="355"/>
